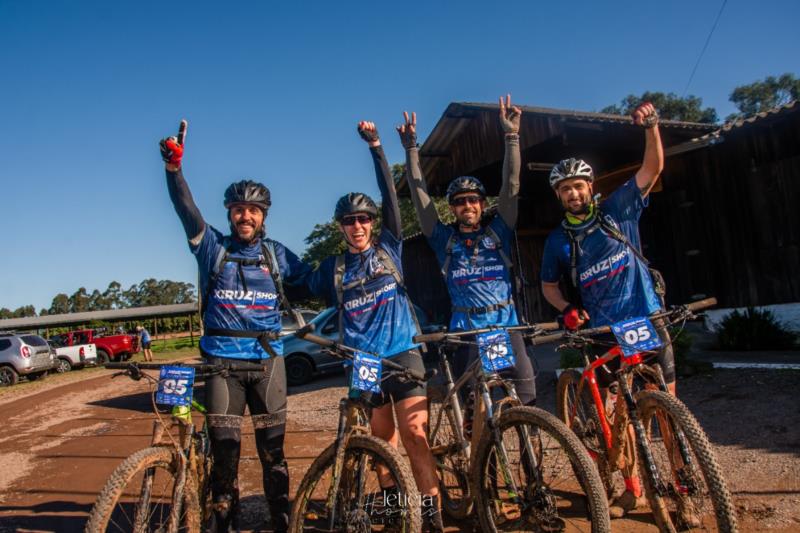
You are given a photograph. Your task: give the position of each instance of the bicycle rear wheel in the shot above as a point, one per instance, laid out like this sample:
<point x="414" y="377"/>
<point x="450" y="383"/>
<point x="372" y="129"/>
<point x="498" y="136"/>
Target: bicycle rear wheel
<point x="692" y="493"/>
<point x="140" y="495"/>
<point x="452" y="461"/>
<point x="563" y="493"/>
<point x="358" y="503"/>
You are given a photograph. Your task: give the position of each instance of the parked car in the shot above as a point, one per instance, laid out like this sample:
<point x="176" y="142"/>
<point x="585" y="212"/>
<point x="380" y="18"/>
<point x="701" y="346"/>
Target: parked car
<point x="109" y="347"/>
<point x="24" y="354"/>
<point x="72" y="357"/>
<point x="305" y="359"/>
<point x="288" y="324"/>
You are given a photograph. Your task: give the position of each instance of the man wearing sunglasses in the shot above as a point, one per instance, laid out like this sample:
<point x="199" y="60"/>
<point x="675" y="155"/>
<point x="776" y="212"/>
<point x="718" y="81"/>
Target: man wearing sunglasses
<point x="475" y="252"/>
<point x="242" y="276"/>
<point x="376" y="316"/>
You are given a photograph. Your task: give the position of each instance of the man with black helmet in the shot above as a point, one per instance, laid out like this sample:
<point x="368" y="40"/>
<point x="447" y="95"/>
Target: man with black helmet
<point x="597" y="248"/>
<point x="376" y="315"/>
<point x="475" y="252"/>
<point x="242" y="277"/>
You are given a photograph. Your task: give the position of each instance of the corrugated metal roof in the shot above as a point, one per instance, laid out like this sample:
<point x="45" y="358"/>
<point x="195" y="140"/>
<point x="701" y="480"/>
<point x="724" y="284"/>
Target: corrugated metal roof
<point x="774" y="112"/>
<point x="84" y="318"/>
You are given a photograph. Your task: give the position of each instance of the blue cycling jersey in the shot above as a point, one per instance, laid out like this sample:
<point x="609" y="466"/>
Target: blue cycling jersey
<point x="477" y="275"/>
<point x="376" y="313"/>
<point x="249" y="304"/>
<point x="614" y="283"/>
<point x="145" y="336"/>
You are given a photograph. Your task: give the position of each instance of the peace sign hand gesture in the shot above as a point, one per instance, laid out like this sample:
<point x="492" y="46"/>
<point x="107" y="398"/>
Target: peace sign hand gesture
<point x="408" y="131"/>
<point x="509" y="116"/>
<point x="172" y="148"/>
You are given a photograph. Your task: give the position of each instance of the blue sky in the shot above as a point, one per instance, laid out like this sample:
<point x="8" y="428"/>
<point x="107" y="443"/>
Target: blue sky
<point x="273" y="91"/>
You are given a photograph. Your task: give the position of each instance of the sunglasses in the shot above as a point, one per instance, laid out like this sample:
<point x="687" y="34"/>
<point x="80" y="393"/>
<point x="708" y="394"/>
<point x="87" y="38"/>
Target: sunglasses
<point x="464" y="200"/>
<point x="361" y="219"/>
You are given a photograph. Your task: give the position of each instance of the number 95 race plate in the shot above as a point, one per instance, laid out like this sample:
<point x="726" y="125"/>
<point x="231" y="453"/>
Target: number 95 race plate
<point x="175" y="385"/>
<point x="636" y="335"/>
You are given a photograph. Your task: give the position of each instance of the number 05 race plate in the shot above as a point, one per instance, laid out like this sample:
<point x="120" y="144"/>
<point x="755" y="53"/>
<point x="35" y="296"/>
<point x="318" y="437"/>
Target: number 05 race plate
<point x="636" y="335"/>
<point x="175" y="385"/>
<point x="366" y="372"/>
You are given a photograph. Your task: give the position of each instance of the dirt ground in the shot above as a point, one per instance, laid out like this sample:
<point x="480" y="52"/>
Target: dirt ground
<point x="62" y="437"/>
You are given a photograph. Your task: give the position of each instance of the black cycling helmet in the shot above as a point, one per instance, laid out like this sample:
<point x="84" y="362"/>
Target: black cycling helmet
<point x="354" y="202"/>
<point x="248" y="192"/>
<point x="570" y="168"/>
<point x="465" y="184"/>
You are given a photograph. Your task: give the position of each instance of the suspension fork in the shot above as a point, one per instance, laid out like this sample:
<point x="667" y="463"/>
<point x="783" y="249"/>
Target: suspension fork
<point x="338" y="463"/>
<point x="497" y="437"/>
<point x="641" y="438"/>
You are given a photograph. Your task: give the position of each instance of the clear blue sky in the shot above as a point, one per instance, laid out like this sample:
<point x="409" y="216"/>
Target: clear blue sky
<point x="273" y="90"/>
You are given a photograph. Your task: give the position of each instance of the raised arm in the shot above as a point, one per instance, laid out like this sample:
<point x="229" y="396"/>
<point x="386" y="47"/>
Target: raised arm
<point x="390" y="208"/>
<point x="423" y="205"/>
<point x="179" y="193"/>
<point x="509" y="192"/>
<point x="653" y="162"/>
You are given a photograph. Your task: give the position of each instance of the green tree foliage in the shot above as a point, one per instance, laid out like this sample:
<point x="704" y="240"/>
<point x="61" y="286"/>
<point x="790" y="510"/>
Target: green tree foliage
<point x="669" y="105"/>
<point x="764" y="94"/>
<point x="20" y="312"/>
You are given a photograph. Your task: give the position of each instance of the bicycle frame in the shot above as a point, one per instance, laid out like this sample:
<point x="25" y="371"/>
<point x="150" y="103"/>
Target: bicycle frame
<point x="616" y="438"/>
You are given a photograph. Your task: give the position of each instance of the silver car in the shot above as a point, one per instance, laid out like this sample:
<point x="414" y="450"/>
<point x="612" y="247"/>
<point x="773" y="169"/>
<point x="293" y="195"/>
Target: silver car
<point x="24" y="354"/>
<point x="305" y="359"/>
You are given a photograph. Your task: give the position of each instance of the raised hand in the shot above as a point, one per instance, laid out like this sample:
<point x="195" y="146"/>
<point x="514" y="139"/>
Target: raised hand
<point x="509" y="116"/>
<point x="369" y="133"/>
<point x="408" y="131"/>
<point x="645" y="115"/>
<point x="172" y="147"/>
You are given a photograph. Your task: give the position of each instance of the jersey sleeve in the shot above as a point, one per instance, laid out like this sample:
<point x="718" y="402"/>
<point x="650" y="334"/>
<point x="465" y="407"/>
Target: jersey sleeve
<point x="438" y="239"/>
<point x="320" y="281"/>
<point x="293" y="270"/>
<point x="394" y="247"/>
<point x="551" y="264"/>
<point x="625" y="203"/>
<point x="207" y="250"/>
<point x="502" y="230"/>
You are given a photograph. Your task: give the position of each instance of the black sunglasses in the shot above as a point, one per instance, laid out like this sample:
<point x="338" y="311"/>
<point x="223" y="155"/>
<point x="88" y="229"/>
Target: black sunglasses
<point x="464" y="200"/>
<point x="361" y="219"/>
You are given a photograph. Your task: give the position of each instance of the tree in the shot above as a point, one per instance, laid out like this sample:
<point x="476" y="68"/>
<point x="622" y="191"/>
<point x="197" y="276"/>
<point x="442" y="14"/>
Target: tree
<point x="79" y="301"/>
<point x="670" y="106"/>
<point x="60" y="304"/>
<point x="765" y="94"/>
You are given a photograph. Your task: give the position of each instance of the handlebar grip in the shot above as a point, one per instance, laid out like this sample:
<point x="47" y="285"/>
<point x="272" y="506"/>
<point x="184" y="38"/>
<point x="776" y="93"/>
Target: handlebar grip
<point x="417" y="376"/>
<point x="549" y="326"/>
<point x="702" y="304"/>
<point x="430" y="337"/>
<point x="316" y="339"/>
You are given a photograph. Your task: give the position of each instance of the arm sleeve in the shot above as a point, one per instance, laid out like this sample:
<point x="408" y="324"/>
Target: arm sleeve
<point x="390" y="208"/>
<point x="423" y="205"/>
<point x="509" y="192"/>
<point x="188" y="212"/>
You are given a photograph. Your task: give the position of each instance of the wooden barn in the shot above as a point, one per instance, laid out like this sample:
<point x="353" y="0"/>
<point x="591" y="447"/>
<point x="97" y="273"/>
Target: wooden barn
<point x="723" y="222"/>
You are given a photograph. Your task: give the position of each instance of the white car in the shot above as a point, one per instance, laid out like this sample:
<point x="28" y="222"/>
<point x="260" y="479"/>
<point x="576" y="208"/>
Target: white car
<point x="73" y="357"/>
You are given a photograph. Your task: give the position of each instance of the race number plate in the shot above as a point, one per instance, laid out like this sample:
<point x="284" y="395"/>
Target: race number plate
<point x="175" y="385"/>
<point x="366" y="372"/>
<point x="636" y="335"/>
<point x="495" y="350"/>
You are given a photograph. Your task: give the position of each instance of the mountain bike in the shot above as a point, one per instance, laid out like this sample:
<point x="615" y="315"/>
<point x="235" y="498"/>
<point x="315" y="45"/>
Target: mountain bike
<point x="359" y="483"/>
<point x="164" y="487"/>
<point x="522" y="469"/>
<point x="682" y="478"/>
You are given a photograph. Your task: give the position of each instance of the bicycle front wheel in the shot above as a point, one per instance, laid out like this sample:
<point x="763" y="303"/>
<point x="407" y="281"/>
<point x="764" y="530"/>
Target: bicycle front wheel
<point x="452" y="462"/>
<point x="141" y="496"/>
<point x="534" y="474"/>
<point x="692" y="493"/>
<point x="371" y="489"/>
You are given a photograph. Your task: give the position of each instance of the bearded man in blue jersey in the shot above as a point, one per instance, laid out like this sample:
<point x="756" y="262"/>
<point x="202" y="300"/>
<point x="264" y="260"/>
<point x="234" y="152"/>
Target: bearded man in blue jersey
<point x="598" y="249"/>
<point x="241" y="276"/>
<point x="474" y="252"/>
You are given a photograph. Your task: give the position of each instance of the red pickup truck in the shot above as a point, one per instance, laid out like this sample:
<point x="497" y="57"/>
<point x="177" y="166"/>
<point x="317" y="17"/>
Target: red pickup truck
<point x="109" y="348"/>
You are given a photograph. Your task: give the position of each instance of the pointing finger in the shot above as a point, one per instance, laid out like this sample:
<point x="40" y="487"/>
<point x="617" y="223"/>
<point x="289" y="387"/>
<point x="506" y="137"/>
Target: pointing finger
<point x="182" y="131"/>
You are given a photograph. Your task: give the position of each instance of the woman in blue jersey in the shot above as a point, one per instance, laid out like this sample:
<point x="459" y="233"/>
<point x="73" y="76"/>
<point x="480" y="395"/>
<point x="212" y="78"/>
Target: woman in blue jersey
<point x="376" y="315"/>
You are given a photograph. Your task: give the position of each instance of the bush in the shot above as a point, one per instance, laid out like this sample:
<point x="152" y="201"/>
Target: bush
<point x="754" y="329"/>
<point x="681" y="344"/>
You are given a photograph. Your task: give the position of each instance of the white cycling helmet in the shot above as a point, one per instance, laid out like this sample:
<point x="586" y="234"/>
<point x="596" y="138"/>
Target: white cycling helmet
<point x="570" y="168"/>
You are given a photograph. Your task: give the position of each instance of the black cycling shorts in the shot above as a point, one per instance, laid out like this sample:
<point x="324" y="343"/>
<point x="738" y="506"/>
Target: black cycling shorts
<point x="665" y="356"/>
<point x="393" y="389"/>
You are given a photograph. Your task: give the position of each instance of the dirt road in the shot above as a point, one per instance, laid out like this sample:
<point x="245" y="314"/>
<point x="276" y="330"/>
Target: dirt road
<point x="61" y="439"/>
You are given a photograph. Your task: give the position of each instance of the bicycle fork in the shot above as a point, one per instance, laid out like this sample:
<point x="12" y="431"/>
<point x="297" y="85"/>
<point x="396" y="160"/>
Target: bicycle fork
<point x="641" y="438"/>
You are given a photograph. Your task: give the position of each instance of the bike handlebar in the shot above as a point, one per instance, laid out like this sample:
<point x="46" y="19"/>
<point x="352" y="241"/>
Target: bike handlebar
<point x="693" y="306"/>
<point x="439" y="336"/>
<point x="200" y="367"/>
<point x="342" y="351"/>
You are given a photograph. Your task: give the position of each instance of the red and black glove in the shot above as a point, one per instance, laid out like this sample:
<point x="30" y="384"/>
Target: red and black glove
<point x="574" y="317"/>
<point x="172" y="147"/>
